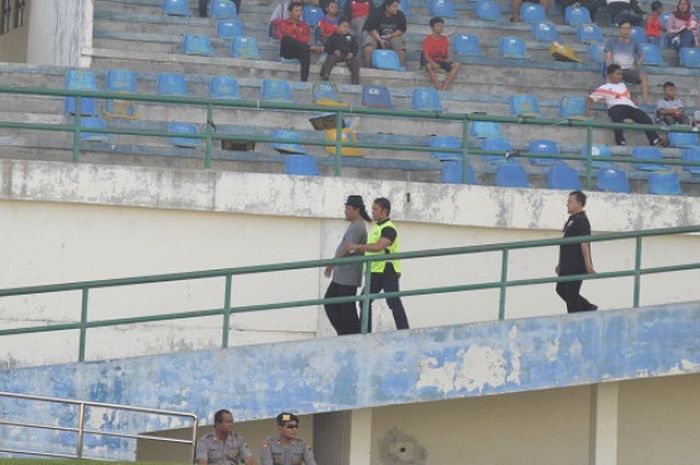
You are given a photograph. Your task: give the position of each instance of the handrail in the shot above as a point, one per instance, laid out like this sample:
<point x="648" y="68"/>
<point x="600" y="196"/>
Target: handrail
<point x="365" y="297"/>
<point x="80" y="430"/>
<point x="210" y="135"/>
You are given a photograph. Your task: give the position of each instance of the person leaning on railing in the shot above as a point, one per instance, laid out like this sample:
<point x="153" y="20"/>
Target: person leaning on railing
<point x="223" y="446"/>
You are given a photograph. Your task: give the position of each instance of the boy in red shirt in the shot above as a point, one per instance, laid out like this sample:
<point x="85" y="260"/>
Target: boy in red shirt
<point x="357" y="12"/>
<point x="295" y="35"/>
<point x="329" y="22"/>
<point x="436" y="55"/>
<point x="654" y="29"/>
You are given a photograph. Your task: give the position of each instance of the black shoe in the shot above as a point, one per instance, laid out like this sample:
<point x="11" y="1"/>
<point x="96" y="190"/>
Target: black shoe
<point x="622" y="142"/>
<point x="324" y="78"/>
<point x="594" y="307"/>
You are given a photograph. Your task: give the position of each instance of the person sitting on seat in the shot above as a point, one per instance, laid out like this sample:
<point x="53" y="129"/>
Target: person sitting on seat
<point x="329" y="22"/>
<point x="384" y="29"/>
<point x="342" y="46"/>
<point x="654" y="28"/>
<point x="682" y="26"/>
<point x="295" y="36"/>
<point x="515" y="7"/>
<point x="669" y="109"/>
<point x="436" y="55"/>
<point x="357" y="11"/>
<point x="591" y="5"/>
<point x="625" y="52"/>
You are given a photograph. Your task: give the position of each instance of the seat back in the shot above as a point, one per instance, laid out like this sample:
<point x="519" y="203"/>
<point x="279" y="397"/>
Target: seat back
<point x="94" y="123"/>
<point x="80" y="79"/>
<point x="601" y="156"/>
<point x="466" y="45"/>
<point x="511" y="174"/>
<point x="196" y="44"/>
<point x="301" y="165"/>
<point x="589" y="33"/>
<point x="452" y="173"/>
<point x="512" y="47"/>
<point x="245" y="47"/>
<point x="692" y="154"/>
<point x="449" y="142"/>
<point x="652" y="54"/>
<point x="574" y="15"/>
<point x="639" y="35"/>
<point x="276" y="90"/>
<point x="543" y="147"/>
<point x="376" y="97"/>
<point x="683" y="139"/>
<point x="312" y="15"/>
<point x="523" y="105"/>
<point x="612" y="179"/>
<point x="287" y="147"/>
<point x="176" y="7"/>
<point x="664" y="183"/>
<point x="444" y="8"/>
<point x="647" y="154"/>
<point x="222" y="9"/>
<point x="346" y="135"/>
<point x="425" y="98"/>
<point x="496" y="144"/>
<point x="177" y="130"/>
<point x="121" y="80"/>
<point x="172" y="85"/>
<point x="223" y="87"/>
<point x="563" y="176"/>
<point x="690" y="57"/>
<point x="488" y="10"/>
<point x="572" y="106"/>
<point x="483" y="129"/>
<point x="386" y="59"/>
<point x="596" y="53"/>
<point x="327" y="93"/>
<point x="544" y="32"/>
<point x="229" y="28"/>
<point x="532" y="13"/>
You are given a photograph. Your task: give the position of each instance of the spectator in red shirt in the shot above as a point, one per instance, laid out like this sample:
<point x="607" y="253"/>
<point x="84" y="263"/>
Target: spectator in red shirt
<point x="654" y="29"/>
<point x="295" y="35"/>
<point x="357" y="12"/>
<point x="436" y="55"/>
<point x="329" y="22"/>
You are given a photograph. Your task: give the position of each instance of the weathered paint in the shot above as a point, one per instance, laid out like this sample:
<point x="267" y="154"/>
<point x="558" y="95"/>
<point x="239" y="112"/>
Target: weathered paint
<point x="330" y="374"/>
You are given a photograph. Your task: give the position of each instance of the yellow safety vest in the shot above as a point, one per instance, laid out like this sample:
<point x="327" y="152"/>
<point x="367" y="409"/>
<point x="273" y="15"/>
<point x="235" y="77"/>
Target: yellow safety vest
<point x="374" y="236"/>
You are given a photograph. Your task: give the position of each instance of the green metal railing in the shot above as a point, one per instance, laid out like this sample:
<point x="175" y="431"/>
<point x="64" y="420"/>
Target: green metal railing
<point x="227" y="309"/>
<point x="210" y="135"/>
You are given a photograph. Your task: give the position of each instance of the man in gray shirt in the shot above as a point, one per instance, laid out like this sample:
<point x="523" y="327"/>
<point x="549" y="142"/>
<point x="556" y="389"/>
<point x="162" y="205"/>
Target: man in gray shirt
<point x="223" y="446"/>
<point x="625" y="52"/>
<point x="347" y="278"/>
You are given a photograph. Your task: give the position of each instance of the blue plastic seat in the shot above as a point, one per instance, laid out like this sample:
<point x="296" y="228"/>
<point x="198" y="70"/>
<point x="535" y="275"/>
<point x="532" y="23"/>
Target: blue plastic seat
<point x="572" y="106"/>
<point x="229" y="28"/>
<point x="600" y="154"/>
<point x="448" y="142"/>
<point x="543" y="147"/>
<point x="612" y="179"/>
<point x="664" y="183"/>
<point x="544" y="32"/>
<point x="683" y="139"/>
<point x="196" y="44"/>
<point x="301" y="165"/>
<point x="222" y="9"/>
<point x="121" y="80"/>
<point x="523" y="105"/>
<point x="386" y="59"/>
<point x="664" y="20"/>
<point x="404" y="5"/>
<point x="532" y="13"/>
<point x="172" y="85"/>
<point x="512" y="47"/>
<point x="484" y="129"/>
<point x="496" y="144"/>
<point x="639" y="35"/>
<point x="466" y="45"/>
<point x="94" y="123"/>
<point x="177" y="129"/>
<point x="287" y="147"/>
<point x="690" y="57"/>
<point x="444" y="8"/>
<point x="652" y="54"/>
<point x="488" y="10"/>
<point x="223" y="87"/>
<point x="577" y="15"/>
<point x="376" y="97"/>
<point x="312" y="15"/>
<point x="245" y="47"/>
<point x="511" y="174"/>
<point x="562" y="176"/>
<point x="596" y="53"/>
<point x="692" y="154"/>
<point x="644" y="155"/>
<point x="276" y="90"/>
<point x="325" y="91"/>
<point x="451" y="173"/>
<point x="177" y="7"/>
<point x="589" y="33"/>
<point x="425" y="99"/>
<point x="79" y="79"/>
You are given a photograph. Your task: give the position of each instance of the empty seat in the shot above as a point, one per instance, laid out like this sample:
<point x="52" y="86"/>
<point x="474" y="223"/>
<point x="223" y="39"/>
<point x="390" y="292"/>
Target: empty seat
<point x="452" y="173"/>
<point x="511" y="174"/>
<point x="523" y="105"/>
<point x="496" y="144"/>
<point x="404" y="5"/>
<point x="647" y="154"/>
<point x="596" y="53"/>
<point x="574" y="15"/>
<point x="327" y="94"/>
<point x="172" y="85"/>
<point x="652" y="54"/>
<point x="543" y="147"/>
<point x="276" y="90"/>
<point x="223" y="87"/>
<point x="287" y="147"/>
<point x="444" y="8"/>
<point x="589" y="33"/>
<point x="562" y="176"/>
<point x="386" y="59"/>
<point x="222" y="9"/>
<point x="664" y="183"/>
<point x="178" y="130"/>
<point x="466" y="45"/>
<point x="664" y="20"/>
<point x="512" y="47"/>
<point x="245" y="47"/>
<point x="346" y="135"/>
<point x="196" y="44"/>
<point x="300" y="165"/>
<point x="79" y="79"/>
<point x="124" y="81"/>
<point x="177" y="7"/>
<point x="376" y="97"/>
<point x="94" y="123"/>
<point x="488" y="10"/>
<point x="692" y="154"/>
<point x="532" y="13"/>
<point x="639" y="35"/>
<point x="601" y="155"/>
<point x="683" y="139"/>
<point x="690" y="57"/>
<point x="572" y="106"/>
<point x="312" y="15"/>
<point x="483" y="129"/>
<point x="445" y="142"/>
<point x="612" y="179"/>
<point x="544" y="32"/>
<point x="426" y="99"/>
<point x="229" y="28"/>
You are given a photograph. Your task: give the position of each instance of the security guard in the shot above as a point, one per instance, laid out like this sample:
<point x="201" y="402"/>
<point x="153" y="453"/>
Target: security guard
<point x="383" y="239"/>
<point x="286" y="448"/>
<point x="223" y="446"/>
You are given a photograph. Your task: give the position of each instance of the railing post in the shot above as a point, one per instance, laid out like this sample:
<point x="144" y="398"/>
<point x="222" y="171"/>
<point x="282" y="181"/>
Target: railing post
<point x="504" y="280"/>
<point x="207" y="147"/>
<point x="589" y="157"/>
<point x="195" y="425"/>
<point x="338" y="140"/>
<point x="83" y="322"/>
<point x="227" y="311"/>
<point x="637" y="273"/>
<point x="76" y="129"/>
<point x="465" y="149"/>
<point x="81" y="431"/>
<point x="364" y="314"/>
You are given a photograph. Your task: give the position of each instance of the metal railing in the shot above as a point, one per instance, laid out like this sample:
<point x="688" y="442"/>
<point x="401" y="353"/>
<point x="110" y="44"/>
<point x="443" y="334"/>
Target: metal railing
<point x="210" y="134"/>
<point x="365" y="297"/>
<point x="80" y="430"/>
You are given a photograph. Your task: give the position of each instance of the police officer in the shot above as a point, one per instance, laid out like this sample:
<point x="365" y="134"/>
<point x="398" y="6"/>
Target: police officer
<point x="223" y="446"/>
<point x="286" y="448"/>
<point x="383" y="239"/>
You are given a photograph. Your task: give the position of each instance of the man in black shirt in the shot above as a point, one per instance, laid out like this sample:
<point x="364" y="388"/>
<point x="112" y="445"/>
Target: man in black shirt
<point x="575" y="258"/>
<point x="383" y="29"/>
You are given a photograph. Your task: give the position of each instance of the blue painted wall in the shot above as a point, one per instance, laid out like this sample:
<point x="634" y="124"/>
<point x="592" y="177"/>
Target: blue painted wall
<point x="358" y="371"/>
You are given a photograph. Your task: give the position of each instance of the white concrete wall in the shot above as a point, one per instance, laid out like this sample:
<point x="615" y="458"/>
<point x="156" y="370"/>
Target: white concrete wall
<point x="58" y="30"/>
<point x="64" y="222"/>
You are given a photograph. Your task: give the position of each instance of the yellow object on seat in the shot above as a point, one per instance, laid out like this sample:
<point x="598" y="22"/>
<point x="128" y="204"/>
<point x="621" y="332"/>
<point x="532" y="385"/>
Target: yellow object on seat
<point x="348" y="135"/>
<point x="562" y="52"/>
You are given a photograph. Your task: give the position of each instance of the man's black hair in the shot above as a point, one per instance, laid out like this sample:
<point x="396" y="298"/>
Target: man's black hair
<point x="219" y="415"/>
<point x="612" y="68"/>
<point x="668" y="84"/>
<point x="389" y="2"/>
<point x="384" y="204"/>
<point x="656" y="5"/>
<point x="435" y="20"/>
<point x="293" y="5"/>
<point x="580" y="197"/>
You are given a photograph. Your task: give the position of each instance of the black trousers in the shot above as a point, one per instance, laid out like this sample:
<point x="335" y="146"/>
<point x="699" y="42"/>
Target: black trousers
<point x="353" y="65"/>
<point x="389" y="282"/>
<point x="203" y="7"/>
<point x="291" y="48"/>
<point x="619" y="113"/>
<point x="570" y="293"/>
<point x="621" y="12"/>
<point x="343" y="316"/>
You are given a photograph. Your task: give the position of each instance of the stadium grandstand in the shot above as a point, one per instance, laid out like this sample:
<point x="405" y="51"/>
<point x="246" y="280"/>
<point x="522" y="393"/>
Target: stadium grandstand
<point x="175" y="193"/>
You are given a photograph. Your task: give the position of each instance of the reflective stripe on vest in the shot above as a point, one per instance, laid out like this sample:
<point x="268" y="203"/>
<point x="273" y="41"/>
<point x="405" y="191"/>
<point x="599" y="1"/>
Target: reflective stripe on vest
<point x="374" y="236"/>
